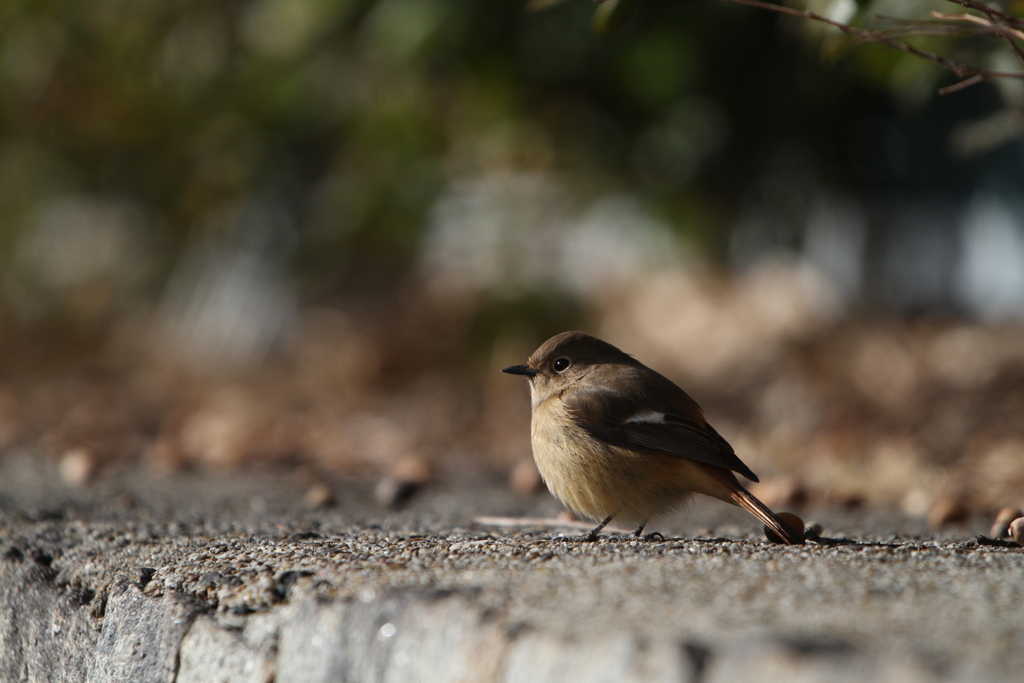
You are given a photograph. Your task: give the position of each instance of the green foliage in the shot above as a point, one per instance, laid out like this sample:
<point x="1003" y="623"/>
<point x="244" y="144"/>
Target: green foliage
<point x="356" y="114"/>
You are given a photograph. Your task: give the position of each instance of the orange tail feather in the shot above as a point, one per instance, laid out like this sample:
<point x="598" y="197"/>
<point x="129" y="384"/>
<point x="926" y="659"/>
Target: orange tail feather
<point x="746" y="500"/>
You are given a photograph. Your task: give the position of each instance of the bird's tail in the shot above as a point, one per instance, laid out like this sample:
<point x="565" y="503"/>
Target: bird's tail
<point x="746" y="500"/>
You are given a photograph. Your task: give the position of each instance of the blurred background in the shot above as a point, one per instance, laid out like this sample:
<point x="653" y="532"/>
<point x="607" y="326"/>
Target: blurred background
<point x="308" y="233"/>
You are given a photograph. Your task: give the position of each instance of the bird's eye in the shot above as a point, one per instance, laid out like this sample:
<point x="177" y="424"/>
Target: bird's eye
<point x="561" y="364"/>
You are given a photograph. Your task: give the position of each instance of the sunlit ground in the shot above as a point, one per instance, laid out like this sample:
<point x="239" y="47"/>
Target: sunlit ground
<point x="828" y="405"/>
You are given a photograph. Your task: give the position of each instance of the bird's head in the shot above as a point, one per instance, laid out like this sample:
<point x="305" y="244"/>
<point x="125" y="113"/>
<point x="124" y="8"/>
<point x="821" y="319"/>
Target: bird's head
<point x="564" y="360"/>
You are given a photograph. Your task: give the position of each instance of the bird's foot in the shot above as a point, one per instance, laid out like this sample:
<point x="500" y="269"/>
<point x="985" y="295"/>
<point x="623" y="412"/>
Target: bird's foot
<point x="639" y="534"/>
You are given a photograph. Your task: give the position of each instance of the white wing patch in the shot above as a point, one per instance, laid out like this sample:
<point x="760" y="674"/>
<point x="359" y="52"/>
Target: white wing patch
<point x="648" y="416"/>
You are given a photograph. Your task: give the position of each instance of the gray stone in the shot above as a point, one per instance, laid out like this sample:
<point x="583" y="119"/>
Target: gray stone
<point x="213" y="654"/>
<point x="141" y="636"/>
<point x="408" y="637"/>
<point x="46" y="632"/>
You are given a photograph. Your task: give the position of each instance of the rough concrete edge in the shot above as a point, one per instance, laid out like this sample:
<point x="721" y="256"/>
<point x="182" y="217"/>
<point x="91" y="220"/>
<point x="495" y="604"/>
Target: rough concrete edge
<point x="141" y="636"/>
<point x="48" y="633"/>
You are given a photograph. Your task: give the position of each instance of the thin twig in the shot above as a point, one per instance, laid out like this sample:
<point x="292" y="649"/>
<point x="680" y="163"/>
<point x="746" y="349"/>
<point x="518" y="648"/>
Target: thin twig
<point x="989" y="26"/>
<point x="992" y="12"/>
<point x="911" y="27"/>
<point x="1016" y="48"/>
<point x="966" y="83"/>
<point x="971" y="74"/>
<point x="995" y="15"/>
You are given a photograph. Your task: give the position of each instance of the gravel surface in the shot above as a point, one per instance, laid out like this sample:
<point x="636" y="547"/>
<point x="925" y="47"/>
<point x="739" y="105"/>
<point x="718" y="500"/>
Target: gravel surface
<point x="232" y="578"/>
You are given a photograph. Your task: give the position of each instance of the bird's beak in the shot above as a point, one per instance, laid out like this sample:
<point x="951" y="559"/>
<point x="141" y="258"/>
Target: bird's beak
<point x="520" y="370"/>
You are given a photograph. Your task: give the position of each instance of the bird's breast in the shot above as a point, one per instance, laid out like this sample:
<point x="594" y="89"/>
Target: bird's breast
<point x="592" y="477"/>
<point x="599" y="480"/>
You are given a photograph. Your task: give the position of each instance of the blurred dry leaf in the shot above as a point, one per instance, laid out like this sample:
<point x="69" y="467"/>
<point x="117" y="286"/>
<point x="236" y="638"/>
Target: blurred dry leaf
<point x="318" y="496"/>
<point x="947" y="510"/>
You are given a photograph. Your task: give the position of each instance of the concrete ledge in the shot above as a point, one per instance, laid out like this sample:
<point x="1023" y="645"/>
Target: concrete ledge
<point x="232" y="579"/>
<point x="83" y="603"/>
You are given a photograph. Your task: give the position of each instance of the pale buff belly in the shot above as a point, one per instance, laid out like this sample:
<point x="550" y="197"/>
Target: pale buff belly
<point x="597" y="480"/>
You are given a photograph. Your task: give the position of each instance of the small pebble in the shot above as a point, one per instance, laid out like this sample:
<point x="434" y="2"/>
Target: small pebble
<point x="1017" y="530"/>
<point x="789" y="519"/>
<point x="77" y="467"/>
<point x="1001" y="527"/>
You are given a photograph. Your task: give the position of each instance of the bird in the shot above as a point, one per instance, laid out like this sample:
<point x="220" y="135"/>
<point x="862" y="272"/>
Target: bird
<point x="614" y="439"/>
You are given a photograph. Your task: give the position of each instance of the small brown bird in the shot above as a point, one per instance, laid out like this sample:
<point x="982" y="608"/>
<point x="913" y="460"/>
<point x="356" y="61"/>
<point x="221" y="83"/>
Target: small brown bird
<point x="614" y="439"/>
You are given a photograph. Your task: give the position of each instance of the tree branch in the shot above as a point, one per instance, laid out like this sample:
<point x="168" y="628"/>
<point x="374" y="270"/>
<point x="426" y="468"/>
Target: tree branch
<point x="996" y="16"/>
<point x="992" y="12"/>
<point x="998" y="24"/>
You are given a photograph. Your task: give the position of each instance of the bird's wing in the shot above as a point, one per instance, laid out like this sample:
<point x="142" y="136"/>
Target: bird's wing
<point x="609" y="416"/>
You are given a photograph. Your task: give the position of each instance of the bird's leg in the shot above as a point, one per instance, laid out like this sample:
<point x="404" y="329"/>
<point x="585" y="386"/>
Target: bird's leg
<point x="592" y="536"/>
<point x="639" y="533"/>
